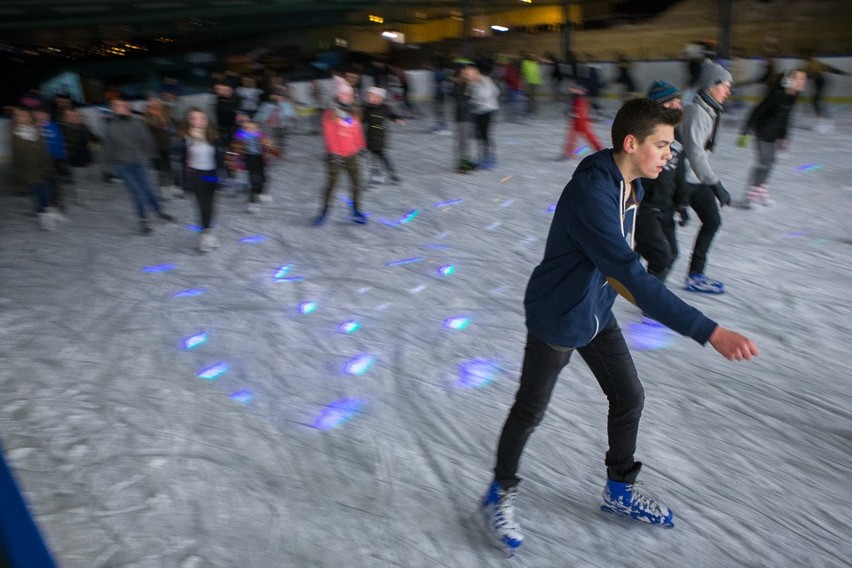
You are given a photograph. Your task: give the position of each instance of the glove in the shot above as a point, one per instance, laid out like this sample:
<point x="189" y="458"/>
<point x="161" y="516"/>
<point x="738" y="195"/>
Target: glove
<point x="683" y="213"/>
<point x="742" y="141"/>
<point x="721" y="193"/>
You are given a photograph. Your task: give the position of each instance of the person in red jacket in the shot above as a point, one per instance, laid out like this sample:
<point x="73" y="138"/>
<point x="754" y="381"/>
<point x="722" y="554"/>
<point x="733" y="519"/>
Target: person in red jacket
<point x="344" y="140"/>
<point x="581" y="123"/>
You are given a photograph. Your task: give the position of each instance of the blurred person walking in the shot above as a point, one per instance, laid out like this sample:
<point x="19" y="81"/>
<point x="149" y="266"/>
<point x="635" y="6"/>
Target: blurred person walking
<point x="33" y="166"/>
<point x="769" y="121"/>
<point x="128" y="149"/>
<point x="344" y="140"/>
<point x="79" y="139"/>
<point x="201" y="157"/>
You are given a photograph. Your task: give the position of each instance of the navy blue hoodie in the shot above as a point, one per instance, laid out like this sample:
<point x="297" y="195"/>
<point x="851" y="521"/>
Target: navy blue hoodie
<point x="589" y="259"/>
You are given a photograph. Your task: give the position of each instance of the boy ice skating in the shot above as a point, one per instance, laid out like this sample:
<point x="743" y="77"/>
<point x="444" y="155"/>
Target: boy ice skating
<point x="588" y="260"/>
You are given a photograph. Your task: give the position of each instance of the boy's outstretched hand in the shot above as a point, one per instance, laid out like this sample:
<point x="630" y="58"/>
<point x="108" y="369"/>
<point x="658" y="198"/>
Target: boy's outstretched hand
<point x="732" y="345"/>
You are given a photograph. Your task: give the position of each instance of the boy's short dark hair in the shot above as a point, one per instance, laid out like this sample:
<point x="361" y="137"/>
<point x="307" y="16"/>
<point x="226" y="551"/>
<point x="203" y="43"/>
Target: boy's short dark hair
<point x="640" y="117"/>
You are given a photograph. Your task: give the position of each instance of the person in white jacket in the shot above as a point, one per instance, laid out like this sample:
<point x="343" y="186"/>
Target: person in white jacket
<point x="484" y="103"/>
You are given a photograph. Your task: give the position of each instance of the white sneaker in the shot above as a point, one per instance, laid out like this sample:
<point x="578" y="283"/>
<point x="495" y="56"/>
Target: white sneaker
<point x="46" y="221"/>
<point x="253" y="208"/>
<point x="265" y="198"/>
<point x="208" y="242"/>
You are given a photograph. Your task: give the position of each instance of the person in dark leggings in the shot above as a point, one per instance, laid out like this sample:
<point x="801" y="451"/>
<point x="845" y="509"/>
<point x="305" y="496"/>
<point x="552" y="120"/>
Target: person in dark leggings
<point x="665" y="196"/>
<point x="698" y="131"/>
<point x="589" y="260"/>
<point x="769" y="121"/>
<point x="201" y="158"/>
<point x="344" y="140"/>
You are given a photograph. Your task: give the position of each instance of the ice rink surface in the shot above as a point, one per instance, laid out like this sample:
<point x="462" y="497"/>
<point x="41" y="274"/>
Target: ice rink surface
<point x="284" y="438"/>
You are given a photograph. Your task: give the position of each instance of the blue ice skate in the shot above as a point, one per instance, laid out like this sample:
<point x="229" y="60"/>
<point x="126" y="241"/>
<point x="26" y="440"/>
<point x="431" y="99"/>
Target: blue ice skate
<point x="626" y="500"/>
<point x="498" y="517"/>
<point x="697" y="282"/>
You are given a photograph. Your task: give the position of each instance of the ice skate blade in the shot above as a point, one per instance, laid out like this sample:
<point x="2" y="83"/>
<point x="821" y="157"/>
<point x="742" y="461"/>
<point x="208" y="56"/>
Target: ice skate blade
<point x="626" y="516"/>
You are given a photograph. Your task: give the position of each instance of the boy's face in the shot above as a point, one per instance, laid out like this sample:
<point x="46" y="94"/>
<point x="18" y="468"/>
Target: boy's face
<point x="650" y="156"/>
<point x="720" y="92"/>
<point x="674" y="103"/>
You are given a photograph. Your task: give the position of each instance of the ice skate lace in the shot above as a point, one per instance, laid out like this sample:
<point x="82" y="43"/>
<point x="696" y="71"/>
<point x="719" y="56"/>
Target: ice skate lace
<point x="639" y="500"/>
<point x="504" y="512"/>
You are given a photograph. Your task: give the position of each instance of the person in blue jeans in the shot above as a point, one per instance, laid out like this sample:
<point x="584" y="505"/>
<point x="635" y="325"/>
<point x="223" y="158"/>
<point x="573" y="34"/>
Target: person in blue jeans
<point x="128" y="150"/>
<point x="588" y="261"/>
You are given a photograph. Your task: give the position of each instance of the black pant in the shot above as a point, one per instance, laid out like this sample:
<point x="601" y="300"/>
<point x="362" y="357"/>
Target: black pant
<point x="482" y="129"/>
<point x="256" y="174"/>
<point x="203" y="184"/>
<point x="351" y="165"/>
<point x="379" y="159"/>
<point x="610" y="361"/>
<point x="656" y="240"/>
<point x="704" y="203"/>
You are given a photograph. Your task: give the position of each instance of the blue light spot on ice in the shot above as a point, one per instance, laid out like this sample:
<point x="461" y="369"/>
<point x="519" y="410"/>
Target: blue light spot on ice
<point x="477" y="373"/>
<point x="253" y="239"/>
<point x="450" y="202"/>
<point x="281" y="272"/>
<point x="214" y="372"/>
<point x="159" y="268"/>
<point x="337" y="412"/>
<point x="458" y="322"/>
<point x="404" y="261"/>
<point x="307" y="307"/>
<point x="194" y="340"/>
<point x="552" y="208"/>
<point x="243" y="396"/>
<point x="350" y="326"/>
<point x="808" y="167"/>
<point x="446" y="269"/>
<point x="194" y="228"/>
<point x="359" y="364"/>
<point x="291" y="279"/>
<point x="409" y="216"/>
<point x="190" y="293"/>
<point x="645" y="337"/>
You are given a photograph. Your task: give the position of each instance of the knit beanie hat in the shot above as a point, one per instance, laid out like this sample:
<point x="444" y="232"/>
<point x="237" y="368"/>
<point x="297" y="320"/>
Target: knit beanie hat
<point x="712" y="74"/>
<point x="662" y="92"/>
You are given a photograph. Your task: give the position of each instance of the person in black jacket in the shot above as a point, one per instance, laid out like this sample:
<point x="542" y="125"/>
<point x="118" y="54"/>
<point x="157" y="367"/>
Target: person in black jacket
<point x="376" y="115"/>
<point x="78" y="141"/>
<point x="588" y="261"/>
<point x="656" y="240"/>
<point x="769" y="121"/>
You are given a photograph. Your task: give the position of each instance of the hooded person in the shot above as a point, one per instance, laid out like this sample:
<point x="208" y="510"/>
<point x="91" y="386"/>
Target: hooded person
<point x="697" y="133"/>
<point x="376" y="116"/>
<point x="656" y="239"/>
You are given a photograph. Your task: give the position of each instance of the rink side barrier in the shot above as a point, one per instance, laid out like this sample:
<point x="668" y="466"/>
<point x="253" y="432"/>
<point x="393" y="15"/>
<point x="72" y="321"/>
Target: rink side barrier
<point x="21" y="544"/>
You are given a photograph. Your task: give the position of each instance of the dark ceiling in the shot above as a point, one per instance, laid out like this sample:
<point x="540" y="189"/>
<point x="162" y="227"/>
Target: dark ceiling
<point x="29" y="22"/>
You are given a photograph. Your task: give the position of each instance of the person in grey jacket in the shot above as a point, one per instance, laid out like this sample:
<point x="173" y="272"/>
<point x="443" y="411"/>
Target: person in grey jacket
<point x="128" y="149"/>
<point x="698" y="131"/>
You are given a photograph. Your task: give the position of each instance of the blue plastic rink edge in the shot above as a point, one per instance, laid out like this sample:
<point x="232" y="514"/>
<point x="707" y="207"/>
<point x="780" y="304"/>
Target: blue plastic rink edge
<point x="21" y="545"/>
